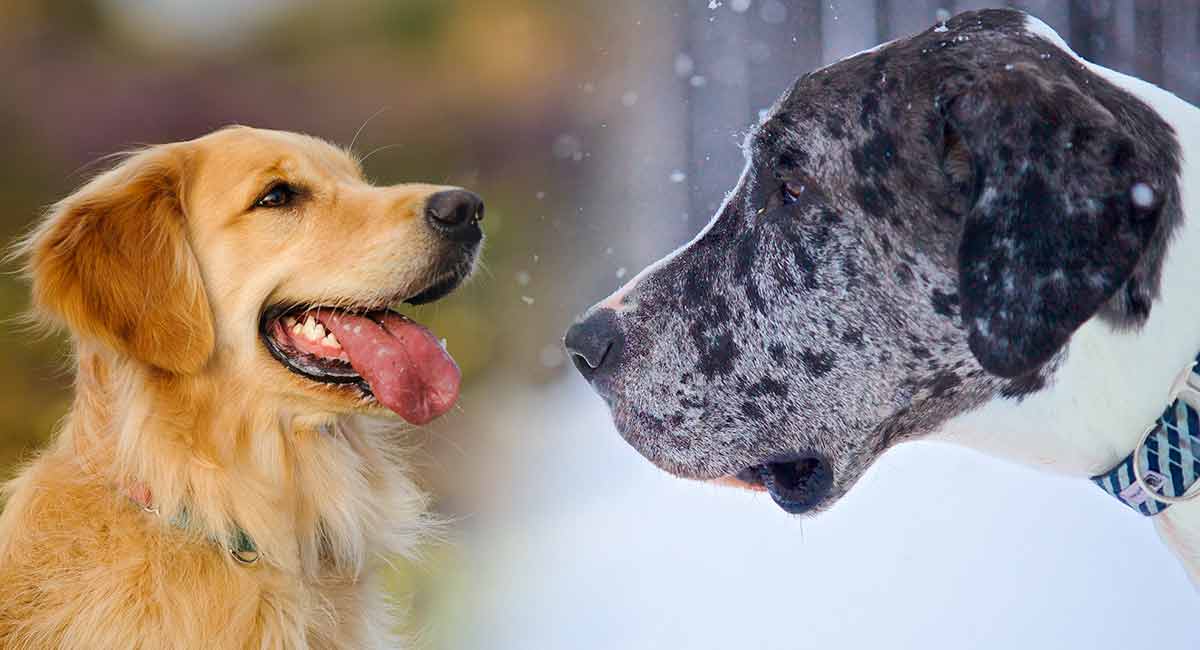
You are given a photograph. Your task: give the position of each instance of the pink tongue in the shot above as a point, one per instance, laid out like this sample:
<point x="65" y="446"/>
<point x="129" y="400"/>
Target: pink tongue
<point x="408" y="370"/>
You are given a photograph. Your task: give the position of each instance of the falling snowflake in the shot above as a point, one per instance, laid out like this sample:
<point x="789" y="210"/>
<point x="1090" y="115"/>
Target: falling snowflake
<point x="551" y="356"/>
<point x="1142" y="195"/>
<point x="684" y="65"/>
<point x="773" y="12"/>
<point x="568" y="145"/>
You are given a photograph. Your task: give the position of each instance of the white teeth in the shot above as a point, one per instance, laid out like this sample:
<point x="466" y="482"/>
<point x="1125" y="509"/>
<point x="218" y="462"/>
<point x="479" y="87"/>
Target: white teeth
<point x="313" y="330"/>
<point x="289" y="321"/>
<point x="331" y="341"/>
<point x="297" y="329"/>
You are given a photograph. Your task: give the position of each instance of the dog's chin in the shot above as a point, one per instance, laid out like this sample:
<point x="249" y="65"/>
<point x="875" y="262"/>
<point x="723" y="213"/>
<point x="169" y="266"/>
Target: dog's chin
<point x="799" y="483"/>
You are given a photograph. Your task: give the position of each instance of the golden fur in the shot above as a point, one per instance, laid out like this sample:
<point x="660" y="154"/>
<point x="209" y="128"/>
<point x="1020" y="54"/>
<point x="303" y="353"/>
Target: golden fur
<point x="160" y="270"/>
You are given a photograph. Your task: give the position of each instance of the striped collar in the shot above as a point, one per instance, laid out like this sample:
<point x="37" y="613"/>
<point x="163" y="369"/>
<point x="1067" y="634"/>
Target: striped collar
<point x="1165" y="465"/>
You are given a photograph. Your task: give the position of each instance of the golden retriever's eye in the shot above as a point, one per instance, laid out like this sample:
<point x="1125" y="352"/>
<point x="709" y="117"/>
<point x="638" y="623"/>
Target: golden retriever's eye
<point x="279" y="195"/>
<point x="792" y="191"/>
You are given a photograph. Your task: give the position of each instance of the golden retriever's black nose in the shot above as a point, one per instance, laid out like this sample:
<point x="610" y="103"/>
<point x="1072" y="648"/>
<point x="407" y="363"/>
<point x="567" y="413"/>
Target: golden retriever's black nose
<point x="456" y="215"/>
<point x="595" y="343"/>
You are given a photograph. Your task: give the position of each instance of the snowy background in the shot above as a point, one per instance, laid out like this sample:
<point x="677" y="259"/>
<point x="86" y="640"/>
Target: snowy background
<point x="583" y="545"/>
<point x="936" y="547"/>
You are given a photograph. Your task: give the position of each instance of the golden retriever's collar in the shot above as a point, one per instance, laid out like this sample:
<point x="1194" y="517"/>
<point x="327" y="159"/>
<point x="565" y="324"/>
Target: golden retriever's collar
<point x="240" y="546"/>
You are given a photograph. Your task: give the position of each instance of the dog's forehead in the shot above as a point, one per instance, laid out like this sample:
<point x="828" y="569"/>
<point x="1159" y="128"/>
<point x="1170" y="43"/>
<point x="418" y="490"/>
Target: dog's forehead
<point x="248" y="151"/>
<point x="237" y="163"/>
<point x="844" y="99"/>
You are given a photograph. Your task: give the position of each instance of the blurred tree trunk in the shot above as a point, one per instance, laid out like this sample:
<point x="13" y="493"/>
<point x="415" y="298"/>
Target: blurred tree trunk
<point x="1180" y="37"/>
<point x="783" y="47"/>
<point x="969" y="5"/>
<point x="1148" y="37"/>
<point x="904" y="18"/>
<point x="1093" y="30"/>
<point x="718" y="101"/>
<point x="846" y="28"/>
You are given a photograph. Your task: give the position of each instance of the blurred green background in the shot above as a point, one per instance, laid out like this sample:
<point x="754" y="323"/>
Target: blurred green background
<point x="469" y="92"/>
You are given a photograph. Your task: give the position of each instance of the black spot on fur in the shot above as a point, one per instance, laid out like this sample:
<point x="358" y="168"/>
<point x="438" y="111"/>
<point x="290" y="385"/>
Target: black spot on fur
<point x="719" y="307"/>
<point x="1022" y="387"/>
<point x="768" y="386"/>
<point x="696" y="287"/>
<point x="874" y="158"/>
<point x="945" y="304"/>
<point x="718" y="353"/>
<point x="752" y="411"/>
<point x="778" y="353"/>
<point x="806" y="265"/>
<point x="818" y="364"/>
<point x="870" y="109"/>
<point x="744" y="254"/>
<point x="834" y="125"/>
<point x="868" y="197"/>
<point x="853" y="336"/>
<point x="943" y="383"/>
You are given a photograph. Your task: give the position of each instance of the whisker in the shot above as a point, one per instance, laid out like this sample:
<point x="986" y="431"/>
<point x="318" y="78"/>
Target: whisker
<point x="364" y="125"/>
<point x="377" y="150"/>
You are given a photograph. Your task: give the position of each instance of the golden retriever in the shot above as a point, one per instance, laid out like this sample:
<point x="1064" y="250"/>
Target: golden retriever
<point x="219" y="481"/>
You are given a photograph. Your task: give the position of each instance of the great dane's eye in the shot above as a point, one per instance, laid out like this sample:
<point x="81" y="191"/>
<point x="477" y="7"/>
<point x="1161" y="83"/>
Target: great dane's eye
<point x="792" y="191"/>
<point x="277" y="196"/>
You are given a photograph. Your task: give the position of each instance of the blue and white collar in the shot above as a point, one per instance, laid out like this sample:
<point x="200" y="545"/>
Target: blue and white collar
<point x="1164" y="467"/>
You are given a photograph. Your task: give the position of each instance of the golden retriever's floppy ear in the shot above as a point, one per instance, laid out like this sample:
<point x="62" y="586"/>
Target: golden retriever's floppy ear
<point x="112" y="263"/>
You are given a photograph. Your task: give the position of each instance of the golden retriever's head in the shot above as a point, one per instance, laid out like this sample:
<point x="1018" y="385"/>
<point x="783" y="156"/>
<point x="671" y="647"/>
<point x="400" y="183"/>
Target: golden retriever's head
<point x="264" y="259"/>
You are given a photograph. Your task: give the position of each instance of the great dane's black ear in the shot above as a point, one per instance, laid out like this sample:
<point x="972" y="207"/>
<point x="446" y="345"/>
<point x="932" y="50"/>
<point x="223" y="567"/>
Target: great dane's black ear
<point x="1063" y="202"/>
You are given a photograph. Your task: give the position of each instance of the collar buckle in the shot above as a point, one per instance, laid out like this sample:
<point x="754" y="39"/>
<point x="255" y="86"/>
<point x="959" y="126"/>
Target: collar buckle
<point x="1186" y="389"/>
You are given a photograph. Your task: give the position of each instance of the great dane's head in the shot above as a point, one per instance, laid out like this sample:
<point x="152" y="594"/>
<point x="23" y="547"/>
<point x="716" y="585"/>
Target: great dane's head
<point x="919" y="230"/>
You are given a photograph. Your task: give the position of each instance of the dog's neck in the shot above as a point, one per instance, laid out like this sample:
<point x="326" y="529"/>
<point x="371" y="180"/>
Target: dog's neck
<point x="1112" y="384"/>
<point x="234" y="466"/>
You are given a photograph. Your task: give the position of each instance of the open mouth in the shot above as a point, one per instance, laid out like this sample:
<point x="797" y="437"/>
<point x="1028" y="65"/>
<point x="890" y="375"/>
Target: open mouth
<point x="795" y="483"/>
<point x="385" y="356"/>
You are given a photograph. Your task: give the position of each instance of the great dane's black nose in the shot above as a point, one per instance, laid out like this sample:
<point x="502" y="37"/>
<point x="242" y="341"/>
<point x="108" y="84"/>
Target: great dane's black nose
<point x="595" y="343"/>
<point x="456" y="215"/>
